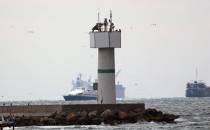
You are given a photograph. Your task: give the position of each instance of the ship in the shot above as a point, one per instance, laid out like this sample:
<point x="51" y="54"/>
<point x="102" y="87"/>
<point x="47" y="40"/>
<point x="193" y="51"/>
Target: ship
<point x="197" y="89"/>
<point x="87" y="90"/>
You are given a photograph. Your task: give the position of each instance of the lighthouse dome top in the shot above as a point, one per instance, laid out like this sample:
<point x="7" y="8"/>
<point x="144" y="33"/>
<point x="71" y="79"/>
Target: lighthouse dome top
<point x="106" y="26"/>
<point x="104" y="34"/>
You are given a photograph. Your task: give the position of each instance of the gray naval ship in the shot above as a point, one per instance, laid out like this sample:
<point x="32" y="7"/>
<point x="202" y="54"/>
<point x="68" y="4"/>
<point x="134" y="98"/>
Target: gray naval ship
<point x="197" y="89"/>
<point x="87" y="90"/>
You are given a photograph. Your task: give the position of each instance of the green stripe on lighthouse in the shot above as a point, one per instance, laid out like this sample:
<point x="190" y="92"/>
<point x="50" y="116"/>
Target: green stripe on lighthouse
<point x="106" y="70"/>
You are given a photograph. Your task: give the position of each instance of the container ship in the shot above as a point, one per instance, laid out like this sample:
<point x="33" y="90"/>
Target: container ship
<point x="87" y="90"/>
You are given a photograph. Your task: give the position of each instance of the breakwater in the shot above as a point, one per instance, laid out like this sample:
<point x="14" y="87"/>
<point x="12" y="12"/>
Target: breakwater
<point x="82" y="114"/>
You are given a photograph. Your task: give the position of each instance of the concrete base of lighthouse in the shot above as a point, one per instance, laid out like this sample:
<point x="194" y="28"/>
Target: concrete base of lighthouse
<point x="106" y="76"/>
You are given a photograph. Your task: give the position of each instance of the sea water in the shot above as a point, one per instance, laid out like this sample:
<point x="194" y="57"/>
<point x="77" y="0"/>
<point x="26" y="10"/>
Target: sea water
<point x="194" y="115"/>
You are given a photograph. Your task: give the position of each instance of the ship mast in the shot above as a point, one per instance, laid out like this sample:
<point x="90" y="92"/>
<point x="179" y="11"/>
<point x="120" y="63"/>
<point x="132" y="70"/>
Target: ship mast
<point x="196" y="74"/>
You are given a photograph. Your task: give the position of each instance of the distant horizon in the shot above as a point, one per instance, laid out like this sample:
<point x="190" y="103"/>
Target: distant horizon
<point x="126" y="99"/>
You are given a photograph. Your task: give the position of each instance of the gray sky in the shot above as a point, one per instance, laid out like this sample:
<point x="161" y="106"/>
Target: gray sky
<point x="44" y="44"/>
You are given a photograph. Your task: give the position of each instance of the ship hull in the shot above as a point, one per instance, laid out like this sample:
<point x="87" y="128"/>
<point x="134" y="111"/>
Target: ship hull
<point x="197" y="93"/>
<point x="78" y="97"/>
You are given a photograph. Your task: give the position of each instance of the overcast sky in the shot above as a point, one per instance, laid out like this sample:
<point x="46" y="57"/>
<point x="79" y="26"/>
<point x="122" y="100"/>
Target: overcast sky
<point x="44" y="44"/>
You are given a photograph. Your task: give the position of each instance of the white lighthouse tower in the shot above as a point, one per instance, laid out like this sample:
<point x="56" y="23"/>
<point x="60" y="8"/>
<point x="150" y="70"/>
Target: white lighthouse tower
<point x="106" y="38"/>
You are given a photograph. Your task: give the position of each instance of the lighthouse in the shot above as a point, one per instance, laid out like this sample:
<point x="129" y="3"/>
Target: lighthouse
<point x="106" y="38"/>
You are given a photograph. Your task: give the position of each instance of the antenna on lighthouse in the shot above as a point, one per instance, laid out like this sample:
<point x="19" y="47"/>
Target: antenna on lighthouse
<point x="111" y="28"/>
<point x="111" y="16"/>
<point x="98" y="17"/>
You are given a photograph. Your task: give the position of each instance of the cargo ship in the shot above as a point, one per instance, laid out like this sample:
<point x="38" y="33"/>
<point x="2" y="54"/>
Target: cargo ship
<point x="87" y="90"/>
<point x="197" y="89"/>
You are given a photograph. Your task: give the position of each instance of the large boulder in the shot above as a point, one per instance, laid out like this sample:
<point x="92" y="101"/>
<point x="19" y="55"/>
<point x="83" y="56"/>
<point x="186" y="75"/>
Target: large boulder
<point x="44" y="120"/>
<point x="134" y="116"/>
<point x="169" y="118"/>
<point x="60" y="117"/>
<point x="83" y="114"/>
<point x="122" y="115"/>
<point x="152" y="115"/>
<point x="53" y="115"/>
<point x="35" y="120"/>
<point x="72" y="117"/>
<point x="47" y="121"/>
<point x="152" y="112"/>
<point x="28" y="120"/>
<point x="92" y="114"/>
<point x="18" y="121"/>
<point x="23" y="121"/>
<point x="51" y="121"/>
<point x="158" y="116"/>
<point x="107" y="114"/>
<point x="83" y="118"/>
<point x="95" y="121"/>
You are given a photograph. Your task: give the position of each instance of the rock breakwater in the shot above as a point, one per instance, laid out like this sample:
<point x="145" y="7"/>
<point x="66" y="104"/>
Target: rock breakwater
<point x="95" y="117"/>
